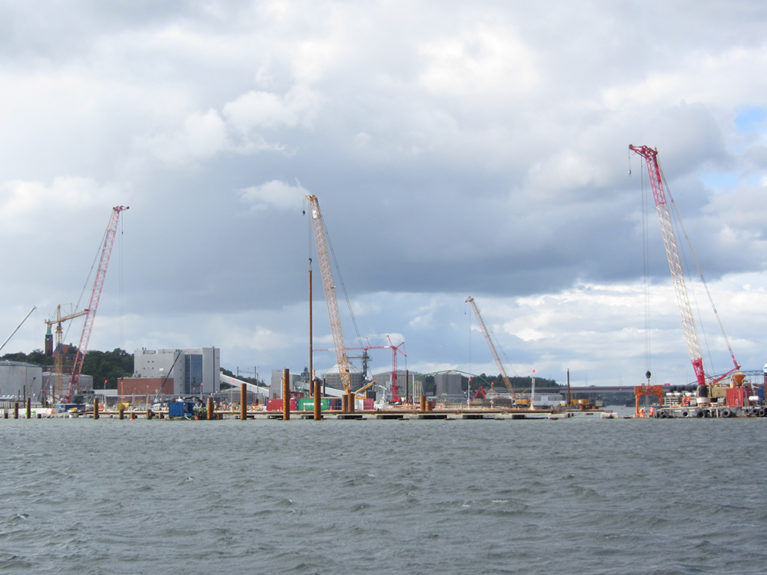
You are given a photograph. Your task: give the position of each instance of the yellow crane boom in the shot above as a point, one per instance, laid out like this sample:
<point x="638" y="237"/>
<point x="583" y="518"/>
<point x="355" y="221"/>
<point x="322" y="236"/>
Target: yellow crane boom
<point x="328" y="284"/>
<point x="490" y="344"/>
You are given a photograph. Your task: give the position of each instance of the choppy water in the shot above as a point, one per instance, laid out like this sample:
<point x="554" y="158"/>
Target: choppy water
<point x="573" y="496"/>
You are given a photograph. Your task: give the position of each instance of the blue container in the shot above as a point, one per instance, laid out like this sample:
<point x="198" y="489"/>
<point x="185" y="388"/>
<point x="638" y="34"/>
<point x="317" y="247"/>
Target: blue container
<point x="180" y="409"/>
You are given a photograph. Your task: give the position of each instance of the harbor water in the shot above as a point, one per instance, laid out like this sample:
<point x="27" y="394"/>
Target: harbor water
<point x="582" y="495"/>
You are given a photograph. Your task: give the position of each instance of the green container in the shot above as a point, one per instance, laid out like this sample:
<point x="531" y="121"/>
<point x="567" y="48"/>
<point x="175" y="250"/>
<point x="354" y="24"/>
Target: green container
<point x="307" y="404"/>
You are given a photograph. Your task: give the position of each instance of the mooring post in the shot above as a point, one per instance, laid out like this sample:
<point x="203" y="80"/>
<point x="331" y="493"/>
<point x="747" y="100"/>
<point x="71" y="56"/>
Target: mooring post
<point x="29" y="408"/>
<point x="243" y="402"/>
<point x="317" y="400"/>
<point x="285" y="394"/>
<point x="344" y="403"/>
<point x="149" y="413"/>
<point x="211" y="406"/>
<point x="95" y="408"/>
<point x="15" y="410"/>
<point x="120" y="411"/>
<point x="423" y="403"/>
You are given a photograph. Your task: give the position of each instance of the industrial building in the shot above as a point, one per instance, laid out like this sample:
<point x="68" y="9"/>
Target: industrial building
<point x="333" y="377"/>
<point x="448" y="386"/>
<point x="193" y="371"/>
<point x="19" y="380"/>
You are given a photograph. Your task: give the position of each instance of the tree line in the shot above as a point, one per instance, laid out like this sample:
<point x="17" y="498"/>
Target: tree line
<point x="106" y="367"/>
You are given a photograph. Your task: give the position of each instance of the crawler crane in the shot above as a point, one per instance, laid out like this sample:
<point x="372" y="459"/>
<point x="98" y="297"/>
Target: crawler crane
<point x="490" y="344"/>
<point x="650" y="156"/>
<point x="328" y="283"/>
<point x="93" y="304"/>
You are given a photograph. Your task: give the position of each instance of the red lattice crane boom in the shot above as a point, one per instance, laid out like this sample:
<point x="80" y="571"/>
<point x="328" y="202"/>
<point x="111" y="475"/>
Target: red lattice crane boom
<point x="93" y="304"/>
<point x="395" y="396"/>
<point x="328" y="284"/>
<point x="650" y="156"/>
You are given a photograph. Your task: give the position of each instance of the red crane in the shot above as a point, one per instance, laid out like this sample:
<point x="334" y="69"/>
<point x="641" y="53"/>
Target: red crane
<point x="93" y="304"/>
<point x="677" y="275"/>
<point x="395" y="396"/>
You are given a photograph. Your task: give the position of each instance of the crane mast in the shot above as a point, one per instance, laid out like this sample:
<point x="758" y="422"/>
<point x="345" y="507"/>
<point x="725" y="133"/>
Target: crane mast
<point x="490" y="344"/>
<point x="98" y="284"/>
<point x="328" y="284"/>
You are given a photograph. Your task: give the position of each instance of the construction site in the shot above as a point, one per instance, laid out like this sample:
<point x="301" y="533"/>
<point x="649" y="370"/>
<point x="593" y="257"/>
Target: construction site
<point x="162" y="379"/>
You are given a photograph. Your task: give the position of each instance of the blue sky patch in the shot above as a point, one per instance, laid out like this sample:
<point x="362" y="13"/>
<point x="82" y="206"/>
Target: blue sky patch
<point x="751" y="119"/>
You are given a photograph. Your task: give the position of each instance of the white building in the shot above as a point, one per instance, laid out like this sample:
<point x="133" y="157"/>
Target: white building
<point x="19" y="380"/>
<point x="194" y="371"/>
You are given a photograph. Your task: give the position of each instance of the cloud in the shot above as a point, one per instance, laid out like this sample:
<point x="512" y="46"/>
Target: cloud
<point x="469" y="148"/>
<point x="275" y="195"/>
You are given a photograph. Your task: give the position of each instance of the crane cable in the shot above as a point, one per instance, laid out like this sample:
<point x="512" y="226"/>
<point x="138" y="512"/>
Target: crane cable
<point x="700" y="274"/>
<point x="645" y="271"/>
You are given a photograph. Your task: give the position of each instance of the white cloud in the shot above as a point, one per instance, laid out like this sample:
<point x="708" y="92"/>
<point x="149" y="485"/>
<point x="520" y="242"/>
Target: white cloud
<point x="273" y="195"/>
<point x="470" y="148"/>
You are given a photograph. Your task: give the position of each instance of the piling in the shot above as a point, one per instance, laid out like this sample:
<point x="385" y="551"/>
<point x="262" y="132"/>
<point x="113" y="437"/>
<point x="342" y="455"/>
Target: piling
<point x="29" y="408"/>
<point x="149" y="413"/>
<point x="121" y="411"/>
<point x="350" y="402"/>
<point x="344" y="403"/>
<point x="285" y="394"/>
<point x="317" y="401"/>
<point x="15" y="410"/>
<point x="422" y="406"/>
<point x="243" y="402"/>
<point x="95" y="408"/>
<point x="209" y="411"/>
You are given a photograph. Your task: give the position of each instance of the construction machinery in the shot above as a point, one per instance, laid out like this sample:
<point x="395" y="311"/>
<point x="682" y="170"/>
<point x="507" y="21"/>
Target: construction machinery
<point x="7" y="339"/>
<point x="89" y="313"/>
<point x="56" y="349"/>
<point x="395" y="396"/>
<point x="323" y="252"/>
<point x="659" y="191"/>
<point x="490" y="344"/>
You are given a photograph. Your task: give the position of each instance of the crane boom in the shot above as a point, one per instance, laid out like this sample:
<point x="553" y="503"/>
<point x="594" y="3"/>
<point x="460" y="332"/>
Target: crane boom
<point x="650" y="156"/>
<point x="7" y="339"/>
<point x="328" y="284"/>
<point x="672" y="254"/>
<point x="98" y="284"/>
<point x="486" y="333"/>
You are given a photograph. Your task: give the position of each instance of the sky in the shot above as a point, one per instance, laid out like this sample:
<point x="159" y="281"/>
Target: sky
<point x="456" y="149"/>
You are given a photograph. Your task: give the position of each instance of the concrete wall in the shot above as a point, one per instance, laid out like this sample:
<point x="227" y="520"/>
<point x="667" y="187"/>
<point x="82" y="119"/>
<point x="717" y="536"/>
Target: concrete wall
<point x="19" y="380"/>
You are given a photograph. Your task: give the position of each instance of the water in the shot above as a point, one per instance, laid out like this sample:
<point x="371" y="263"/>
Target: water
<point x="589" y="496"/>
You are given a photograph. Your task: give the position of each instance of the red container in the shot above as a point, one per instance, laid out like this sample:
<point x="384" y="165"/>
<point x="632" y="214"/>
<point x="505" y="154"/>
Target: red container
<point x="276" y="405"/>
<point x="736" y="397"/>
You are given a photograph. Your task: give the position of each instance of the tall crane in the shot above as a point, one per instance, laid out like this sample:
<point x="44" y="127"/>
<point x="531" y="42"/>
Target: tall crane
<point x="57" y="350"/>
<point x="650" y="156"/>
<point x="328" y="284"/>
<point x="93" y="304"/>
<point x="486" y="333"/>
<point x="395" y="396"/>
